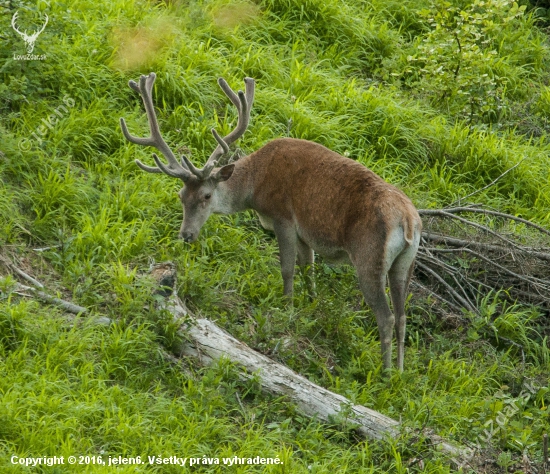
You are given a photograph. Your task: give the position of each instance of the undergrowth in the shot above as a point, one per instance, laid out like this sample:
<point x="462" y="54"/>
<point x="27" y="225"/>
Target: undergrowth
<point x="439" y="98"/>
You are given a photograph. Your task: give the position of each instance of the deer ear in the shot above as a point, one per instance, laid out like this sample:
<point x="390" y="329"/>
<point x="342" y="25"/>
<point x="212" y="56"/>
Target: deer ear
<point x="224" y="173"/>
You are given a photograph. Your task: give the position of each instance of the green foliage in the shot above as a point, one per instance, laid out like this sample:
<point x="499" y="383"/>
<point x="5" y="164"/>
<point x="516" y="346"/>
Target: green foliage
<point x="439" y="98"/>
<point x="466" y="62"/>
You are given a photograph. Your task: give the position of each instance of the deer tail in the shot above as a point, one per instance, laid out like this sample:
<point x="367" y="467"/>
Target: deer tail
<point x="409" y="227"/>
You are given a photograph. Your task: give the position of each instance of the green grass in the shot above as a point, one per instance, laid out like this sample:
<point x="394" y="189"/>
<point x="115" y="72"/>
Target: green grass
<point x="359" y="77"/>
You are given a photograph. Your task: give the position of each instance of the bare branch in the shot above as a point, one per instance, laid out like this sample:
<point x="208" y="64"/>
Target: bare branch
<point x="36" y="289"/>
<point x="444" y="213"/>
<point x="466" y="304"/>
<point x="492" y="182"/>
<point x="453" y="210"/>
<point x="66" y="305"/>
<point x="454" y="242"/>
<point x="532" y="280"/>
<point x="451" y="271"/>
<point x="474" y="265"/>
<point x="437" y="295"/>
<point x="20" y="272"/>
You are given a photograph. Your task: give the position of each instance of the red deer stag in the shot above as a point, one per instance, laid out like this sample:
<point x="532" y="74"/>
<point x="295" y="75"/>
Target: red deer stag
<point x="311" y="198"/>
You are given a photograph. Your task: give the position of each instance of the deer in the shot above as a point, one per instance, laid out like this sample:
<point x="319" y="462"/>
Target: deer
<point x="29" y="40"/>
<point x="311" y="198"/>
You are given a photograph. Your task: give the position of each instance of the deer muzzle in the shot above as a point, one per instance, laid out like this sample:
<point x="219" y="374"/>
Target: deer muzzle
<point x="188" y="236"/>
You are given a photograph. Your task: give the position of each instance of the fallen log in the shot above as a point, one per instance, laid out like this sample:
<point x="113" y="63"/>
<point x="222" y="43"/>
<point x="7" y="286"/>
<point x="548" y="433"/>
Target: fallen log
<point x="206" y="342"/>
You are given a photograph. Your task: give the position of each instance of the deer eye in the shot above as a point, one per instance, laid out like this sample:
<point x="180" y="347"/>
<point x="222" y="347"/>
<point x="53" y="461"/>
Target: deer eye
<point x="207" y="196"/>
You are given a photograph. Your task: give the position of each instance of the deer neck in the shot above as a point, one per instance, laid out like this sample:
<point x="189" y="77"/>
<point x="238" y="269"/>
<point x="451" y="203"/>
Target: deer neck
<point x="236" y="194"/>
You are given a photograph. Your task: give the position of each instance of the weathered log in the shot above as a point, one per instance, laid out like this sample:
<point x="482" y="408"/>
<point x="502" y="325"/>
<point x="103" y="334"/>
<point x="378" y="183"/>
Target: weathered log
<point x="207" y="342"/>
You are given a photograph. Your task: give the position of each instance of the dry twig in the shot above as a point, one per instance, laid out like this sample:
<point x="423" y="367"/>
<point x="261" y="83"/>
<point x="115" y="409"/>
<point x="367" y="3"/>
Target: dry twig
<point x="492" y="183"/>
<point x="36" y="290"/>
<point x="20" y="272"/>
<point x="461" y="260"/>
<point x="66" y="305"/>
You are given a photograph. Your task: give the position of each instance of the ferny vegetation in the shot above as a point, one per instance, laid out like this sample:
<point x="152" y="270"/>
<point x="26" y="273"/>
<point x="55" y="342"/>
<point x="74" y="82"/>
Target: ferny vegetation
<point x="439" y="97"/>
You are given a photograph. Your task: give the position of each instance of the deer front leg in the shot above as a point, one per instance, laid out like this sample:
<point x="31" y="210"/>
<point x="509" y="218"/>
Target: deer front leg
<point x="306" y="258"/>
<point x="287" y="240"/>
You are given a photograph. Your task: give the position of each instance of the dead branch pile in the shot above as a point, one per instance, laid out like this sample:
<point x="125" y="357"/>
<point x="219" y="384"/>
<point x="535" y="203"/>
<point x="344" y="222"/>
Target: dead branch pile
<point x="470" y="251"/>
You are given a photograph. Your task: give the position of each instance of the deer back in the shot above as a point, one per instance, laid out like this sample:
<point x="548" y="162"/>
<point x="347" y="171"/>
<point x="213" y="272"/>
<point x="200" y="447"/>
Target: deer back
<point x="332" y="200"/>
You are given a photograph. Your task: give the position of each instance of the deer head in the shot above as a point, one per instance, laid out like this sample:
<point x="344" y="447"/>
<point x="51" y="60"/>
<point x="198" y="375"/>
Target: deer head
<point x="29" y="39"/>
<point x="200" y="195"/>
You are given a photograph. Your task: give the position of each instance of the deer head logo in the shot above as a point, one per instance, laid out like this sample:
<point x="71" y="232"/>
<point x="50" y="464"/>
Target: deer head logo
<point x="29" y="39"/>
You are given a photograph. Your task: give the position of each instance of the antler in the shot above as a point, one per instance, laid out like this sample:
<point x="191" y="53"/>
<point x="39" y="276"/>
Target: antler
<point x="185" y="169"/>
<point x="243" y="101"/>
<point x="13" y="18"/>
<point x="174" y="168"/>
<point x="25" y="35"/>
<point x="43" y="26"/>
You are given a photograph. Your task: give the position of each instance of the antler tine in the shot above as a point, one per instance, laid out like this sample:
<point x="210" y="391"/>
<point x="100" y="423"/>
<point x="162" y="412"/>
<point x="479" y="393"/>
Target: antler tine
<point x="199" y="173"/>
<point x="145" y="90"/>
<point x="204" y="172"/>
<point x="43" y="26"/>
<point x="174" y="168"/>
<point x="149" y="169"/>
<point x="250" y="86"/>
<point x="220" y="140"/>
<point x="229" y="92"/>
<point x="222" y="148"/>
<point x="13" y="18"/>
<point x="169" y="171"/>
<point x="243" y="101"/>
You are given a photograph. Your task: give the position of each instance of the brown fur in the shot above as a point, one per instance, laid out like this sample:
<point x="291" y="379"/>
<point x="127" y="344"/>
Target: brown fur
<point x="313" y="198"/>
<point x="335" y="200"/>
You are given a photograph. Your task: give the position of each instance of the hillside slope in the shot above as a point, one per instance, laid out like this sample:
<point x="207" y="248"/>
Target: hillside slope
<point x="438" y="97"/>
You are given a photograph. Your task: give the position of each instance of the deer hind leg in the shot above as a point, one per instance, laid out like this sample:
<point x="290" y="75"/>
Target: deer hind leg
<point x="306" y="258"/>
<point x="373" y="289"/>
<point x="399" y="277"/>
<point x="287" y="240"/>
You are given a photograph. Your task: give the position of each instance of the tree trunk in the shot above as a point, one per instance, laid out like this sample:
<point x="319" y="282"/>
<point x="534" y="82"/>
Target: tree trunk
<point x="207" y="342"/>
